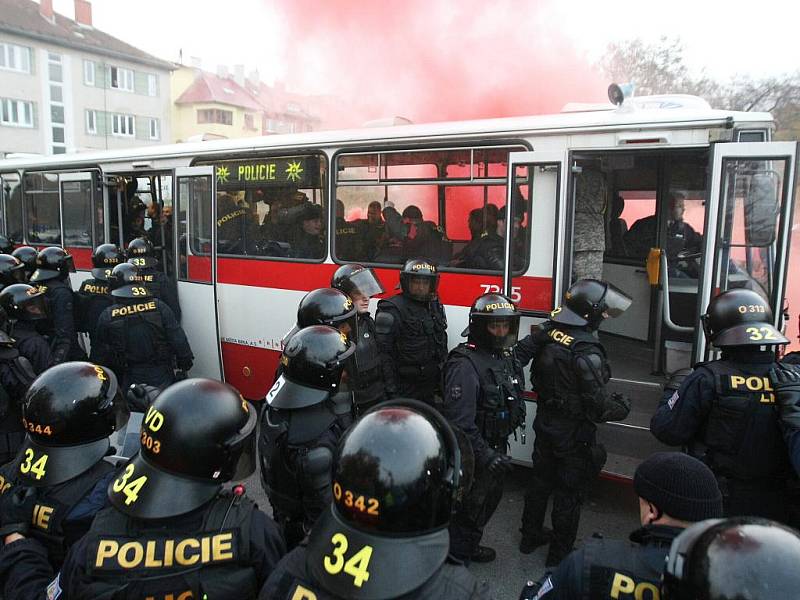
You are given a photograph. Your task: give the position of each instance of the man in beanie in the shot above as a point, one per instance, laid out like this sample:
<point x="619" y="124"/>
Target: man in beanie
<point x="674" y="490"/>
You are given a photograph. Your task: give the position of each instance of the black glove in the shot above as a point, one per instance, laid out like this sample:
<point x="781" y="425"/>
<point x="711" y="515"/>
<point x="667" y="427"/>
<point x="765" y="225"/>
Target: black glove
<point x="140" y="396"/>
<point x="786" y="381"/>
<point x="185" y="364"/>
<point x="16" y="510"/>
<point x="498" y="463"/>
<point x="615" y="408"/>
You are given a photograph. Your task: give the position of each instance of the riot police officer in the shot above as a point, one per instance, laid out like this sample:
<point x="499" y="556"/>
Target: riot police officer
<point x="674" y="491"/>
<point x="569" y="373"/>
<point x="142" y="255"/>
<point x="747" y="558"/>
<point x="94" y="294"/>
<point x="27" y="256"/>
<point x="11" y="270"/>
<point x="360" y="284"/>
<point x="725" y="410"/>
<point x="483" y="397"/>
<point x="138" y="336"/>
<point x="398" y="475"/>
<point x="411" y="328"/>
<point x="326" y="306"/>
<point x="55" y="486"/>
<point x="25" y="306"/>
<point x="53" y="267"/>
<point x="170" y="530"/>
<point x="301" y="426"/>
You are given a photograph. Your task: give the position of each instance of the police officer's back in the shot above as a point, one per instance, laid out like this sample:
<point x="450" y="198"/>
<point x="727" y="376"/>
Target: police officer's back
<point x="27" y="256"/>
<point x="725" y="410"/>
<point x="138" y="335"/>
<point x="94" y="294"/>
<point x="55" y="486"/>
<point x="52" y="277"/>
<point x="301" y="425"/>
<point x="398" y="475"/>
<point x="142" y="255"/>
<point x="569" y="373"/>
<point x="747" y="558"/>
<point x="483" y="397"/>
<point x="360" y="284"/>
<point x="411" y="329"/>
<point x="170" y="529"/>
<point x="674" y="491"/>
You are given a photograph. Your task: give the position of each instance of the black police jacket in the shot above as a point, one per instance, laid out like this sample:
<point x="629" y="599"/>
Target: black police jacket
<point x="31" y="345"/>
<point x="412" y="337"/>
<point x="161" y="287"/>
<point x="225" y="549"/>
<point x="367" y="380"/>
<point x="93" y="297"/>
<point x="483" y="396"/>
<point x="291" y="580"/>
<point x="60" y="329"/>
<point x="55" y="522"/>
<point x="725" y="412"/>
<point x="606" y="569"/>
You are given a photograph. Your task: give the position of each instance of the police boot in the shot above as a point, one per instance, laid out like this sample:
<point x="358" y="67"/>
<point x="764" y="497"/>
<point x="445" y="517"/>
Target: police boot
<point x="555" y="556"/>
<point x="531" y="541"/>
<point x="483" y="554"/>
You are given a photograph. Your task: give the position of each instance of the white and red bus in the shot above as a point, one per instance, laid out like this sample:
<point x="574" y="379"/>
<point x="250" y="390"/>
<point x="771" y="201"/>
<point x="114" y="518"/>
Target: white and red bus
<point x="240" y="279"/>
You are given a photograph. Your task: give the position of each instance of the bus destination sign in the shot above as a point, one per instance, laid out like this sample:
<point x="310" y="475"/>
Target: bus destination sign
<point x="298" y="171"/>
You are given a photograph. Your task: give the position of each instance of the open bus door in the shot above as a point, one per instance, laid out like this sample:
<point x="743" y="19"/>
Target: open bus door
<point x="195" y="207"/>
<point x="749" y="218"/>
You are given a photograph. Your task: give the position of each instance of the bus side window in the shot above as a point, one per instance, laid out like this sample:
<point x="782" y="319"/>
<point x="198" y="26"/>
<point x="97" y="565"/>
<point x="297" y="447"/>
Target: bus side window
<point x="43" y="216"/>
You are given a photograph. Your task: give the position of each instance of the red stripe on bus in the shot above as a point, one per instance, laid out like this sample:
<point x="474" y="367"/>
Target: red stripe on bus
<point x="249" y="369"/>
<point x="457" y="289"/>
<point x="82" y="257"/>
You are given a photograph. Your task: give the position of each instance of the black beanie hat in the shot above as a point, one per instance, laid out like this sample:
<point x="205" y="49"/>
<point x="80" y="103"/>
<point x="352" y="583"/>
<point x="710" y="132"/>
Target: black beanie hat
<point x="681" y="486"/>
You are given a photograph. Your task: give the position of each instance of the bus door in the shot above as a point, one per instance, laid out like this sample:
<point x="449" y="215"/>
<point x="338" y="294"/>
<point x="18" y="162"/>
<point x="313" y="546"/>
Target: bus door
<point x="749" y="218"/>
<point x="197" y="266"/>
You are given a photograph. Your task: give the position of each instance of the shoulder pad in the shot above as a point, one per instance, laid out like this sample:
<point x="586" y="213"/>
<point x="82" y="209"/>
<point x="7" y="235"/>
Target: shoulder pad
<point x="677" y="378"/>
<point x="589" y="363"/>
<point x="384" y="322"/>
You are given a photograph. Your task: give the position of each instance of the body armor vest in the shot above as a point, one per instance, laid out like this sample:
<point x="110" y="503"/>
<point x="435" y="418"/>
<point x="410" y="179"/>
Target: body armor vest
<point x="94" y="298"/>
<point x="128" y="348"/>
<point x="501" y="407"/>
<point x="743" y="437"/>
<point x="367" y="382"/>
<point x="422" y="338"/>
<point x="612" y="567"/>
<point x="554" y="375"/>
<point x="53" y="506"/>
<point x="134" y="559"/>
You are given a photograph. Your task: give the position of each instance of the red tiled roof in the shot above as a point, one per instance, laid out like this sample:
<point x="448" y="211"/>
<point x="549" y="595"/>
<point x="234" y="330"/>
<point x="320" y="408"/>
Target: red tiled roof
<point x="21" y="17"/>
<point x="207" y="87"/>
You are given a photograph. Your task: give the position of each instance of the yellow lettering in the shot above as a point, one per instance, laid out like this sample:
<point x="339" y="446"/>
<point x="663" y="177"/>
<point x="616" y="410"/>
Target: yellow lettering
<point x="168" y="548"/>
<point x="205" y="550"/>
<point x="122" y="555"/>
<point x="622" y="584"/>
<point x="187" y="595"/>
<point x="301" y="593"/>
<point x="221" y="546"/>
<point x="105" y="549"/>
<point x="180" y="552"/>
<point x="753" y="384"/>
<point x="41" y="516"/>
<point x="115" y="312"/>
<point x="153" y="419"/>
<point x="150" y="556"/>
<point x="736" y="381"/>
<point x="643" y="587"/>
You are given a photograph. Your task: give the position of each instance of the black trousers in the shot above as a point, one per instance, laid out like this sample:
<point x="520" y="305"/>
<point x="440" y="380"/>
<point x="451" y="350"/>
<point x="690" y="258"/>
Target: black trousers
<point x="562" y="469"/>
<point x="467" y="524"/>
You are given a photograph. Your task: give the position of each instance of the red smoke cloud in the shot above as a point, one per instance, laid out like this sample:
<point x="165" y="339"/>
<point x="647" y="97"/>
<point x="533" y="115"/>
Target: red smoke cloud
<point x="433" y="61"/>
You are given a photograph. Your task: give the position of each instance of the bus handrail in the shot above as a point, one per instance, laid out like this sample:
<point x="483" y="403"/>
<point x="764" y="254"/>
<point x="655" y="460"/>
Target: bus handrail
<point x="664" y="276"/>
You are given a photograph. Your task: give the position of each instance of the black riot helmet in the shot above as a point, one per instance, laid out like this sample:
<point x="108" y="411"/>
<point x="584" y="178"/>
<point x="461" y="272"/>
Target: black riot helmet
<point x="313" y="361"/>
<point x="196" y="435"/>
<point x="6" y="245"/>
<point x="24" y="302"/>
<point x="356" y="279"/>
<point x="395" y="483"/>
<point x="141" y="253"/>
<point x="493" y="322"/>
<point x="104" y="258"/>
<point x="127" y="283"/>
<point x="52" y="263"/>
<point x="747" y="558"/>
<point x="326" y="306"/>
<point x="27" y="256"/>
<point x="68" y="413"/>
<point x="419" y="269"/>
<point x="589" y="301"/>
<point x="11" y="270"/>
<point x="741" y="317"/>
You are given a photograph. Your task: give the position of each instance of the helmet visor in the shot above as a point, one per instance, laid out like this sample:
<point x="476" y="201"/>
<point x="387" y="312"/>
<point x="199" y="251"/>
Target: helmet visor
<point x="69" y="264"/>
<point x="421" y="287"/>
<point x="17" y="273"/>
<point x="502" y="332"/>
<point x="242" y="448"/>
<point x="365" y="283"/>
<point x="34" y="308"/>
<point x="616" y="301"/>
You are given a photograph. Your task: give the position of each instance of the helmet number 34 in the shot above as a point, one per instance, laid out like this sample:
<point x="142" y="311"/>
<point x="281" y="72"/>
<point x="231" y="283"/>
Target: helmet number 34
<point x="36" y="467"/>
<point x="130" y="490"/>
<point x="356" y="566"/>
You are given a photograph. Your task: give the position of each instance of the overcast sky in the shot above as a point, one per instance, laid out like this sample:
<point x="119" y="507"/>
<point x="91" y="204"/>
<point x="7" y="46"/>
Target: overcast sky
<point x="722" y="37"/>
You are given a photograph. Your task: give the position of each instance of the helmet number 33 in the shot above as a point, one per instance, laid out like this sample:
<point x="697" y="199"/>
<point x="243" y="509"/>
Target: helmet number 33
<point x="132" y="489"/>
<point x="356" y="566"/>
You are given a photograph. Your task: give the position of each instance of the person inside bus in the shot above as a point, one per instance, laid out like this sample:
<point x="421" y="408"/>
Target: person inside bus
<point x="485" y="249"/>
<point x="410" y="236"/>
<point x="348" y="235"/>
<point x="306" y="238"/>
<point x="617" y="228"/>
<point x="519" y="234"/>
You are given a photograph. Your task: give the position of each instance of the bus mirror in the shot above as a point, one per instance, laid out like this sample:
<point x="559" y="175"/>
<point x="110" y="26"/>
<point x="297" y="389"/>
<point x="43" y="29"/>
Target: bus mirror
<point x="761" y="209"/>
